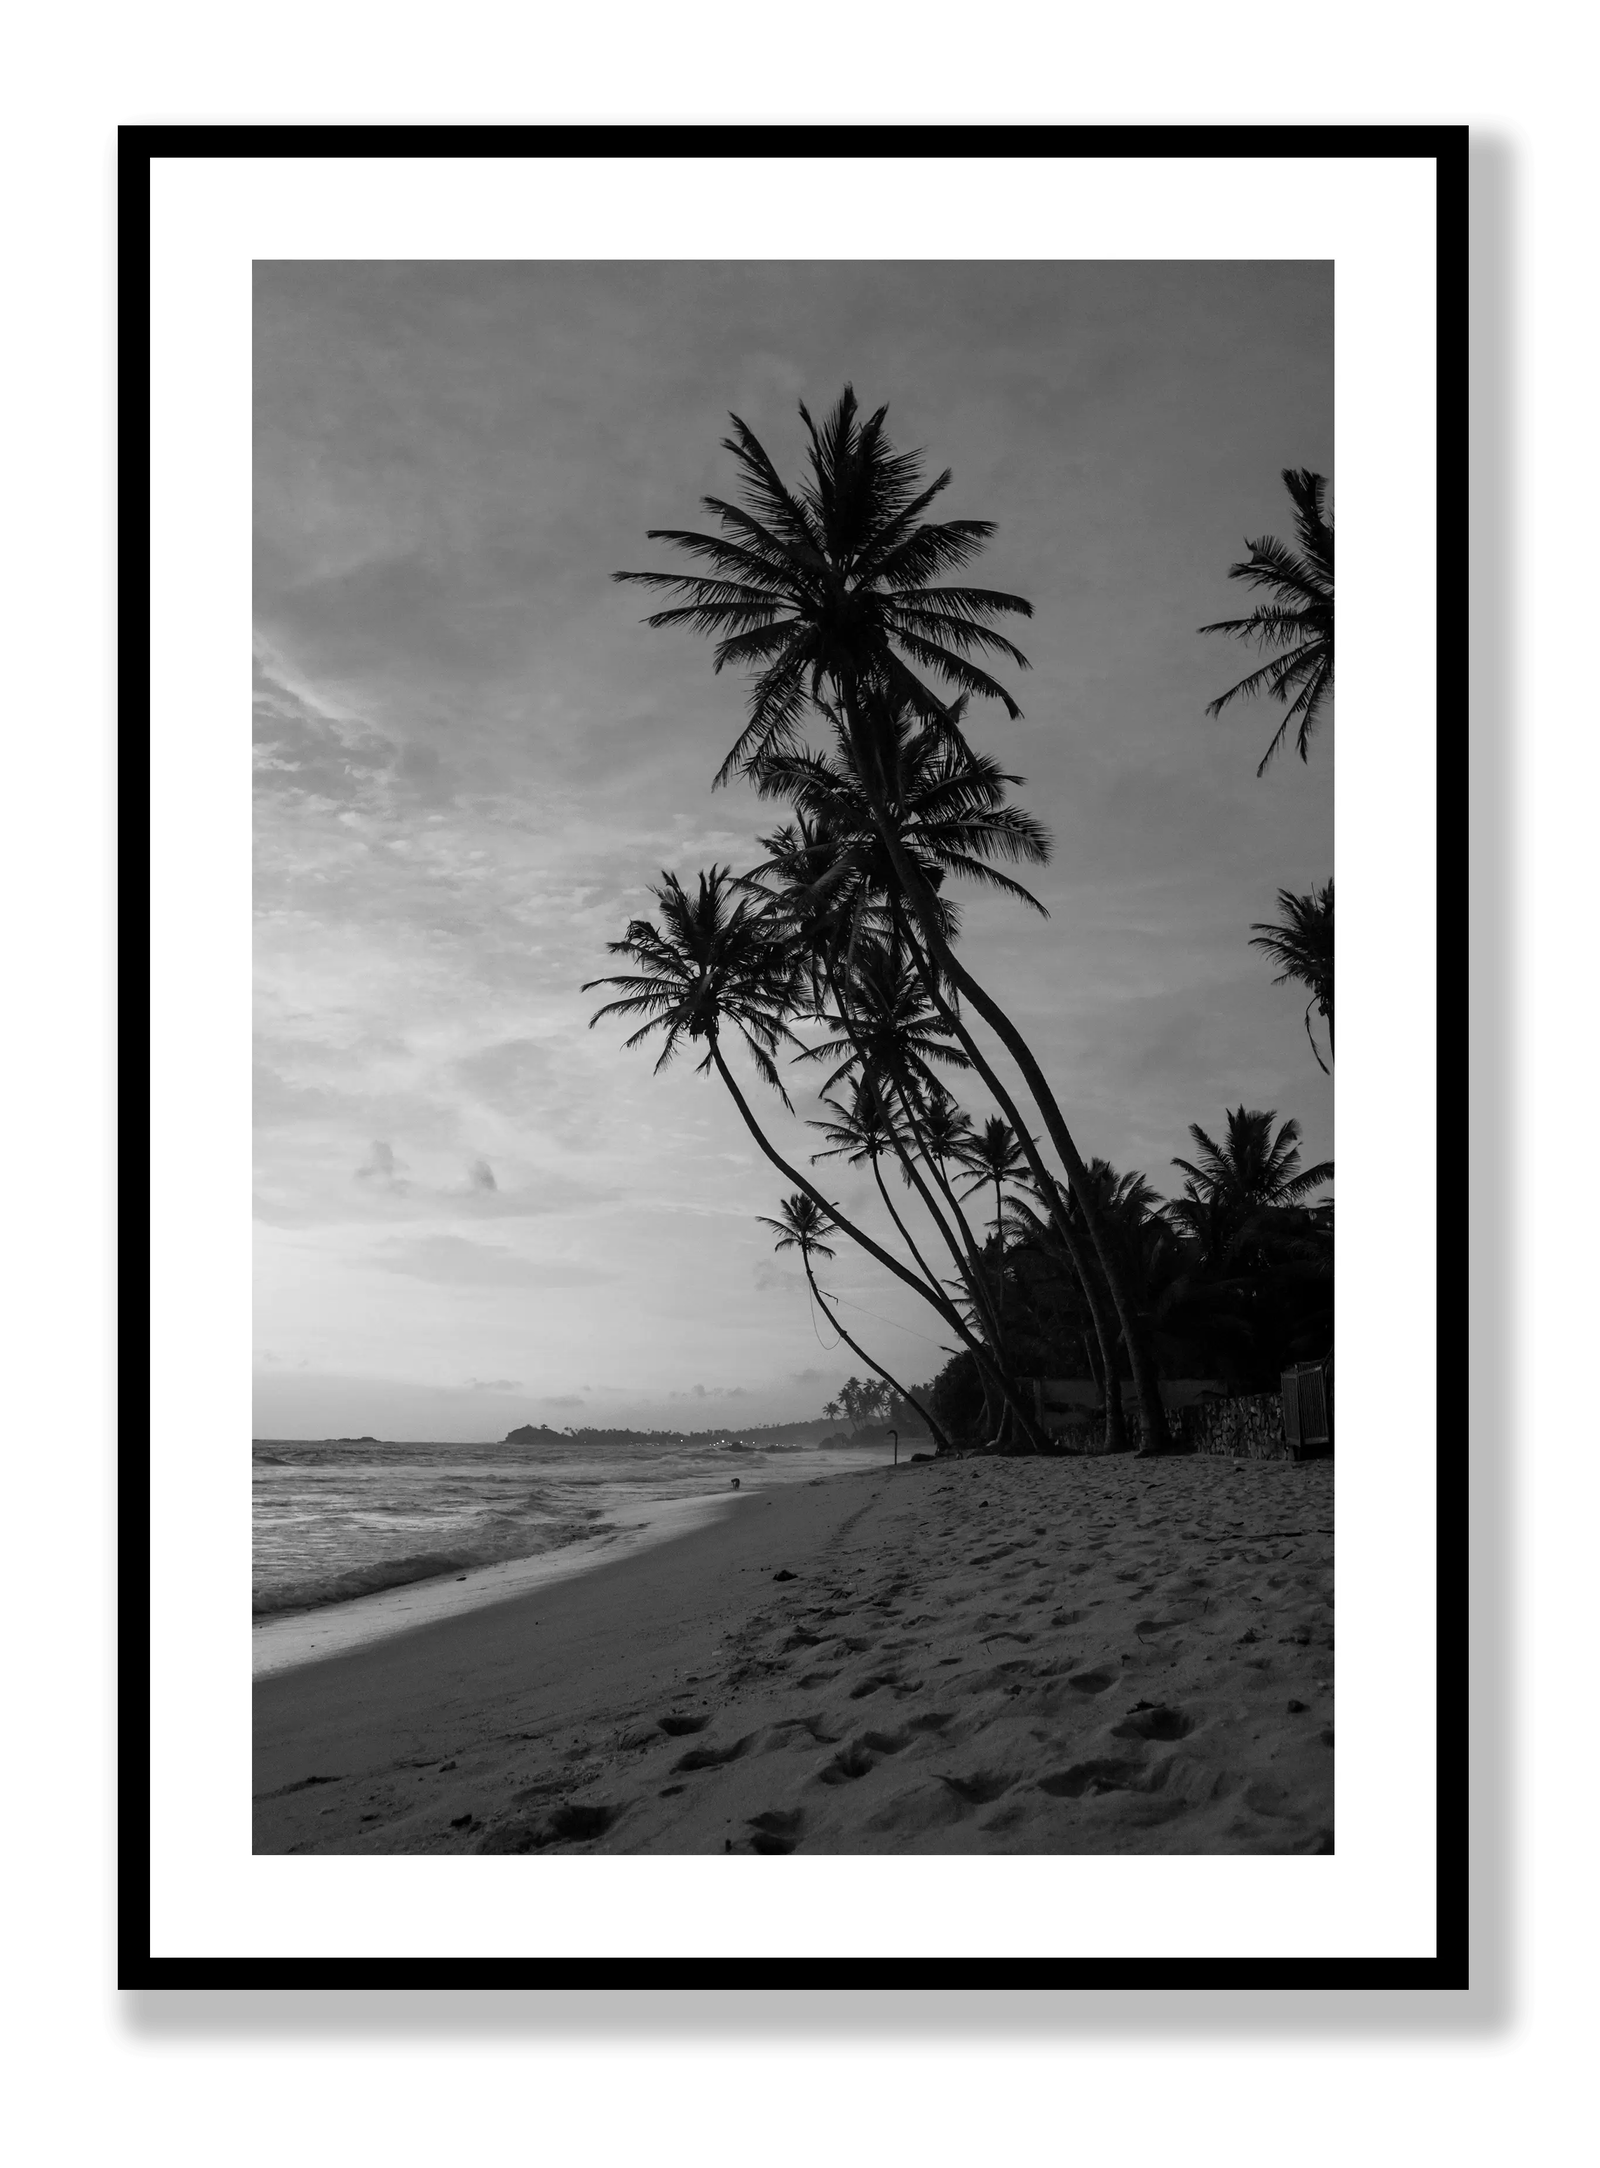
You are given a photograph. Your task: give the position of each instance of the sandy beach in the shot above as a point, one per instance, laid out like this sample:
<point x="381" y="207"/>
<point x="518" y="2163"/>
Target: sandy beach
<point x="960" y="1655"/>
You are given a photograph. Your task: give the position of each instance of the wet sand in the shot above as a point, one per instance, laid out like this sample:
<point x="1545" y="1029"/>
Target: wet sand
<point x="1087" y="1656"/>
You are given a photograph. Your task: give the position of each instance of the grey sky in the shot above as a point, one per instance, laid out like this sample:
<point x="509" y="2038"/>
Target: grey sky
<point x="472" y="757"/>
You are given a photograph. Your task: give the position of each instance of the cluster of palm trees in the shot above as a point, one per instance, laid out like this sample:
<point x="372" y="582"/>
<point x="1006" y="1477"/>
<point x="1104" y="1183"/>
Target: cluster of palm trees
<point x="836" y="956"/>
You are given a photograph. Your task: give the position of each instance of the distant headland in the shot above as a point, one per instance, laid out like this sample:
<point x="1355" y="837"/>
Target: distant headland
<point x="811" y="1432"/>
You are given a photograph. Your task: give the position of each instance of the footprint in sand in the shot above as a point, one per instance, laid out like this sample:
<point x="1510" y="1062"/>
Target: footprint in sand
<point x="1093" y="1682"/>
<point x="713" y="1757"/>
<point x="872" y="1685"/>
<point x="678" y="1727"/>
<point x="979" y="1790"/>
<point x="844" y="1768"/>
<point x="775" y="1831"/>
<point x="574" y="1823"/>
<point x="1153" y="1723"/>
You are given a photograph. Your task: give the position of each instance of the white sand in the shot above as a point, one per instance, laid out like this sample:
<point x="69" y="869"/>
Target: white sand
<point x="973" y="1655"/>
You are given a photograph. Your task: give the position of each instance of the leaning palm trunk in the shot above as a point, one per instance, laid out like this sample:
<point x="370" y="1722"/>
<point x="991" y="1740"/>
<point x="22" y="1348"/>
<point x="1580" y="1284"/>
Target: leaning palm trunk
<point x="897" y="1075"/>
<point x="946" y="1309"/>
<point x="910" y="1398"/>
<point x="970" y="1267"/>
<point x="995" y="1376"/>
<point x="1105" y="1334"/>
<point x="971" y="1270"/>
<point x="985" y="1379"/>
<point x="905" y="1232"/>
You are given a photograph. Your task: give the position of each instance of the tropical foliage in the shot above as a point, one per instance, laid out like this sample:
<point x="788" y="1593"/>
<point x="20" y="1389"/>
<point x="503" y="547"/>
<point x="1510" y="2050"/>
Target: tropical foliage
<point x="1294" y="624"/>
<point x="1302" y="942"/>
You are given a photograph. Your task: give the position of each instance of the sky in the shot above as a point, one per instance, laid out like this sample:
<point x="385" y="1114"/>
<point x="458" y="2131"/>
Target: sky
<point x="472" y="759"/>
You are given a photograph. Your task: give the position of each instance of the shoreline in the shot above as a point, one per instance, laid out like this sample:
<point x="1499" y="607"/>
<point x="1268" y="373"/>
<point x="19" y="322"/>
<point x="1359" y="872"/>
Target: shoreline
<point x="315" y="1633"/>
<point x="1105" y="1655"/>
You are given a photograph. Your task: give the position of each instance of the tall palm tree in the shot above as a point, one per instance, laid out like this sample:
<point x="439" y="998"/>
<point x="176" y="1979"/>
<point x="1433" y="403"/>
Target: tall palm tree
<point x="1296" y="624"/>
<point x="1302" y="941"/>
<point x="835" y="587"/>
<point x="802" y="1225"/>
<point x="710" y="962"/>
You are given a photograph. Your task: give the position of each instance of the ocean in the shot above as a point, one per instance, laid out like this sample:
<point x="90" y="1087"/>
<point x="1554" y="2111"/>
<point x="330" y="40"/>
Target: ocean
<point x="356" y="1540"/>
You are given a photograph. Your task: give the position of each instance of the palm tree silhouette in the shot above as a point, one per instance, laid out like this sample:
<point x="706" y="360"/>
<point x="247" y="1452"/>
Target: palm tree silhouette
<point x="1250" y="1172"/>
<point x="993" y="1154"/>
<point x="1297" y="621"/>
<point x="835" y="582"/>
<point x="710" y="962"/>
<point x="835" y="587"/>
<point x="1302" y="941"/>
<point x="802" y="1225"/>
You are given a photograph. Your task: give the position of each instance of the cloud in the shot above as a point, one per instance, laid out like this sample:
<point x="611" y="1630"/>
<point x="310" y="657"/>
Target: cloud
<point x="812" y="1377"/>
<point x="480" y="1178"/>
<point x="562" y="1400"/>
<point x="454" y="1262"/>
<point x="383" y="1171"/>
<point x="494" y="1385"/>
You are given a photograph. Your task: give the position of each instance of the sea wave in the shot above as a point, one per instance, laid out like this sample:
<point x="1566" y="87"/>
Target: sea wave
<point x="312" y="1592"/>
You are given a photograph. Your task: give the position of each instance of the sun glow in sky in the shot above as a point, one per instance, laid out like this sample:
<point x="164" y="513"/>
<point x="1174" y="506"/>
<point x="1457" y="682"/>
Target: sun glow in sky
<point x="472" y="758"/>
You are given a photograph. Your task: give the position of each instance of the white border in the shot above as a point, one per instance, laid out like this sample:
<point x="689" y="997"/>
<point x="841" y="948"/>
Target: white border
<point x="211" y="219"/>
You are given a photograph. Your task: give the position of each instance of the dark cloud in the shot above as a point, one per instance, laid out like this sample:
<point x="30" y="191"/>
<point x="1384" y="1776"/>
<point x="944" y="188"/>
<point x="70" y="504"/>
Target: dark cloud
<point x="383" y="1172"/>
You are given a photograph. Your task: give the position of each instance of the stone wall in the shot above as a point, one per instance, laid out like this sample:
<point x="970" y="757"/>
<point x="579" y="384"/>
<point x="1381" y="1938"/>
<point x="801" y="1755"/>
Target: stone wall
<point x="1249" y="1428"/>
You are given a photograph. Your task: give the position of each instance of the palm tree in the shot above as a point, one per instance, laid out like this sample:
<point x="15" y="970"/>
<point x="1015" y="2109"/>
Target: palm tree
<point x="994" y="1155"/>
<point x="1302" y="941"/>
<point x="825" y="584"/>
<point x="1297" y="622"/>
<point x="1250" y="1172"/>
<point x="948" y="804"/>
<point x="709" y="963"/>
<point x="836" y="586"/>
<point x="801" y="1225"/>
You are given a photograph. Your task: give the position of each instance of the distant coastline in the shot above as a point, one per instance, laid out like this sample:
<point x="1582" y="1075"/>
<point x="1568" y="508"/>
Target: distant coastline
<point x="817" y="1430"/>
